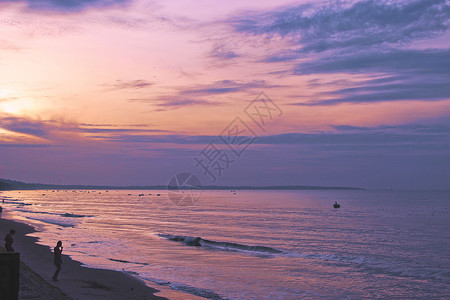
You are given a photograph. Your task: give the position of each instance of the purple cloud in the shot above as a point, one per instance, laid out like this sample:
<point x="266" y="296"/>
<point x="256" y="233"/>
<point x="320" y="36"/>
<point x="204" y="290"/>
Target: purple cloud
<point x="221" y="52"/>
<point x="130" y="84"/>
<point x="25" y="126"/>
<point x="363" y="37"/>
<point x="225" y="87"/>
<point x="67" y="5"/>
<point x="52" y="130"/>
<point x="193" y="95"/>
<point x="363" y="24"/>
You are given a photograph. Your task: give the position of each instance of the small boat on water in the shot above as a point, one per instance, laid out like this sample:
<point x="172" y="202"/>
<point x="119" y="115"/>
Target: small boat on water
<point x="336" y="205"/>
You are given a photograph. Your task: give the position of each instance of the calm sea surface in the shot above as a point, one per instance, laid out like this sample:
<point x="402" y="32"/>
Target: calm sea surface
<point x="256" y="244"/>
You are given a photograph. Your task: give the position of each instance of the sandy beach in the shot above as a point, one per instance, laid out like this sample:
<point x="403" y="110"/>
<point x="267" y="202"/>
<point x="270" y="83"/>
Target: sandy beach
<point x="75" y="280"/>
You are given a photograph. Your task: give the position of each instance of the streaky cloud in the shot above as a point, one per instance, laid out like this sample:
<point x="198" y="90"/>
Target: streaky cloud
<point x="404" y="129"/>
<point x="430" y="61"/>
<point x="173" y="102"/>
<point x="363" y="24"/>
<point x="225" y="87"/>
<point x="360" y="38"/>
<point x="24" y="145"/>
<point x="127" y="84"/>
<point x="221" y="52"/>
<point x="67" y="5"/>
<point x="25" y="126"/>
<point x="52" y="130"/>
<point x="178" y="102"/>
<point x="422" y="137"/>
<point x="420" y="75"/>
<point x="157" y="139"/>
<point x="195" y="94"/>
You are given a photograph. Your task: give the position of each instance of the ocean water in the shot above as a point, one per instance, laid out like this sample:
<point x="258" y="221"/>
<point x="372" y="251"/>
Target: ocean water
<point x="256" y="244"/>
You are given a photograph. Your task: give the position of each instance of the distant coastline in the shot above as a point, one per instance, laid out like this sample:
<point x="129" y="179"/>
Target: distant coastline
<point x="6" y="184"/>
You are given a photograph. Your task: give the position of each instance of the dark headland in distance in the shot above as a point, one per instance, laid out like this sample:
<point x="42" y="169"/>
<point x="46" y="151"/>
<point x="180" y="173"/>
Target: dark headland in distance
<point x="6" y="185"/>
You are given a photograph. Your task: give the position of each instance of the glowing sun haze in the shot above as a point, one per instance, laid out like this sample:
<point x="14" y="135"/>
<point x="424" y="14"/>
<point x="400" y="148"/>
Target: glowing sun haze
<point x="129" y="92"/>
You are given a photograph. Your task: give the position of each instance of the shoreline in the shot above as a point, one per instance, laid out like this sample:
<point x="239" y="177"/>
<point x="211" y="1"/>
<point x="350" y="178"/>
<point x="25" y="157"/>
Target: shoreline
<point x="75" y="280"/>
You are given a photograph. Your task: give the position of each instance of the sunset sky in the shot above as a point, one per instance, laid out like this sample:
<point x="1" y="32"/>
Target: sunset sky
<point x="133" y="92"/>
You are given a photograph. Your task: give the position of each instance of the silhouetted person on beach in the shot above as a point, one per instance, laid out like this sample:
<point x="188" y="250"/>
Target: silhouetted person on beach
<point x="57" y="260"/>
<point x="9" y="241"/>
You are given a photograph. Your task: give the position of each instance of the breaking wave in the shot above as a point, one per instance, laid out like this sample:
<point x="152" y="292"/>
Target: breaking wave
<point x="227" y="246"/>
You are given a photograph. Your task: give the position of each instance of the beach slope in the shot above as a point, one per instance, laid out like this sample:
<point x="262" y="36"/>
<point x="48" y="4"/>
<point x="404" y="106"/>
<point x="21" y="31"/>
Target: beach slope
<point x="76" y="281"/>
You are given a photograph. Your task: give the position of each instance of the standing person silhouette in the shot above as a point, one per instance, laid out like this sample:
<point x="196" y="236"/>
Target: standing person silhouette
<point x="57" y="260"/>
<point x="9" y="241"/>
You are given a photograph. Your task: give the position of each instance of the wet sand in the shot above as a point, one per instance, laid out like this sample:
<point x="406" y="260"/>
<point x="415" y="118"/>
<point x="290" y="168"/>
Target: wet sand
<point x="75" y="281"/>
